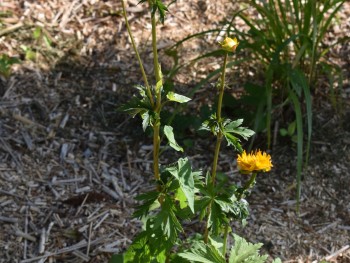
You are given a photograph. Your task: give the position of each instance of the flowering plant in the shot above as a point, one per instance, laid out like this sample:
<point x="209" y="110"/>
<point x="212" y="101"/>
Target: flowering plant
<point x="182" y="194"/>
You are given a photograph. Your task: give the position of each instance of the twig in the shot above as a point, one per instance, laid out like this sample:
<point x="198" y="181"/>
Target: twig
<point x="65" y="250"/>
<point x="11" y="28"/>
<point x="89" y="240"/>
<point x="110" y="192"/>
<point x="27" y="121"/>
<point x="81" y="255"/>
<point x="26" y="233"/>
<point x="101" y="221"/>
<point x="327" y="227"/>
<point x="9" y="219"/>
<point x="42" y="241"/>
<point x="26" y="236"/>
<point x="336" y="253"/>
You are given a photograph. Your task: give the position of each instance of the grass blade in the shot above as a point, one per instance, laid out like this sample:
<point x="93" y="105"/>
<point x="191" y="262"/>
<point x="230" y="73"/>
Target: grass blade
<point x="298" y="116"/>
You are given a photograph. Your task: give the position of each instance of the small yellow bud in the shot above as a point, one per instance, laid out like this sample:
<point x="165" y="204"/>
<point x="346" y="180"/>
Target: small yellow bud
<point x="229" y="44"/>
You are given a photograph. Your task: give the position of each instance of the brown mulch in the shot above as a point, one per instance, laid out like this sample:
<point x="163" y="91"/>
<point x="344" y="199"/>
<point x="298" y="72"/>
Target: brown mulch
<point x="71" y="164"/>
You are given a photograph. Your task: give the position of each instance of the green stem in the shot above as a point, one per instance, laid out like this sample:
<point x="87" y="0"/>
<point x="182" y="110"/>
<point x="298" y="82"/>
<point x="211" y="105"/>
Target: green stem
<point x="219" y="121"/>
<point x="218" y="141"/>
<point x="148" y="88"/>
<point x="248" y="184"/>
<point x="222" y="87"/>
<point x="216" y="156"/>
<point x="206" y="230"/>
<point x="158" y="105"/>
<point x="225" y="240"/>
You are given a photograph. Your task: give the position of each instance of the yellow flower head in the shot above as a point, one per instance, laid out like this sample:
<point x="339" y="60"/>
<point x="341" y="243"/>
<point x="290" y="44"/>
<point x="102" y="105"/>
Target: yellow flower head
<point x="229" y="44"/>
<point x="258" y="161"/>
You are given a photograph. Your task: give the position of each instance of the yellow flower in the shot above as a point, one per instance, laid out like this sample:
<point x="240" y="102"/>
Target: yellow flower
<point x="229" y="44"/>
<point x="258" y="161"/>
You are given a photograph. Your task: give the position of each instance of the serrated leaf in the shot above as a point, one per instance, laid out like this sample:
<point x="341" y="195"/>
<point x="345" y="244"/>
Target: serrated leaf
<point x="217" y="219"/>
<point x="233" y="140"/>
<point x="183" y="173"/>
<point x="150" y="201"/>
<point x="211" y="125"/>
<point x="158" y="5"/>
<point x="244" y="132"/>
<point x="233" y="127"/>
<point x="167" y="221"/>
<point x="137" y="105"/>
<point x="168" y="132"/>
<point x="172" y="96"/>
<point x="193" y="257"/>
<point x="206" y="253"/>
<point x="244" y="251"/>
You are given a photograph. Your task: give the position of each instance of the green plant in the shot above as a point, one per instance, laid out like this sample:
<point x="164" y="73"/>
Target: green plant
<point x="241" y="252"/>
<point x="42" y="44"/>
<point x="287" y="38"/>
<point x="180" y="193"/>
<point x="6" y="63"/>
<point x="290" y="131"/>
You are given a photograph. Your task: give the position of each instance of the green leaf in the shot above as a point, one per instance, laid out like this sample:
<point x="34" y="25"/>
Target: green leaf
<point x="216" y="219"/>
<point x="233" y="127"/>
<point x="172" y="96"/>
<point x="167" y="221"/>
<point x="277" y="260"/>
<point x="183" y="173"/>
<point x="168" y="131"/>
<point x="234" y="141"/>
<point x="181" y="197"/>
<point x="150" y="202"/>
<point x="117" y="258"/>
<point x="37" y="33"/>
<point x="158" y="5"/>
<point x="159" y="86"/>
<point x="141" y="106"/>
<point x="145" y="120"/>
<point x="233" y="124"/>
<point x="193" y="257"/>
<point x="5" y="64"/>
<point x="244" y="251"/>
<point x="204" y="253"/>
<point x="283" y="132"/>
<point x="47" y="41"/>
<point x="291" y="128"/>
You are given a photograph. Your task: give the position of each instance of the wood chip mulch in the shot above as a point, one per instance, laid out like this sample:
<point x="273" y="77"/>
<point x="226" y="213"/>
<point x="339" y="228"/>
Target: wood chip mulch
<point x="71" y="164"/>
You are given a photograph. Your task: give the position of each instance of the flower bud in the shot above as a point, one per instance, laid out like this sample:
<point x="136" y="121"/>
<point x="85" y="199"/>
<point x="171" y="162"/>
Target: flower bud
<point x="229" y="44"/>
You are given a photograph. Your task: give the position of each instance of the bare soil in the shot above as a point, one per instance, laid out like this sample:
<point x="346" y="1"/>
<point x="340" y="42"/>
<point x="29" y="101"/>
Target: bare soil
<point x="71" y="164"/>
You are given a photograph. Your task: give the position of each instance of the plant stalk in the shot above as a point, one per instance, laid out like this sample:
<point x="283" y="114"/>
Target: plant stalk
<point x="248" y="184"/>
<point x="148" y="88"/>
<point x="224" y="248"/>
<point x="218" y="140"/>
<point x="219" y="120"/>
<point x="157" y="106"/>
